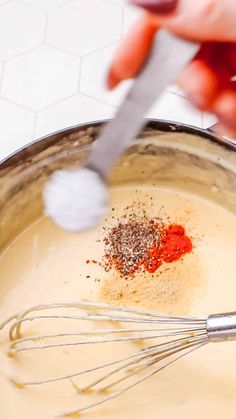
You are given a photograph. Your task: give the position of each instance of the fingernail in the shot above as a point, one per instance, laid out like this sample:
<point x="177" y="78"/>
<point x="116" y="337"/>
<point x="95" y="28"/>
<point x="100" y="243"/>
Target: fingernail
<point x="112" y="79"/>
<point x="157" y="6"/>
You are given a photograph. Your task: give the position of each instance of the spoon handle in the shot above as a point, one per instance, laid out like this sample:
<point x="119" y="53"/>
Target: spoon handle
<point x="168" y="58"/>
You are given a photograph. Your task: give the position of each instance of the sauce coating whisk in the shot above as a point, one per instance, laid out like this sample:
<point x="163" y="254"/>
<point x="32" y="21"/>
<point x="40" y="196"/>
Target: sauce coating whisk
<point x="157" y="341"/>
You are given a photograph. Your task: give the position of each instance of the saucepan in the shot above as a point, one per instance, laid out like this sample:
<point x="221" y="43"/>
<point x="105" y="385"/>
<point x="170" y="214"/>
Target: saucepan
<point x="193" y="163"/>
<point x="165" y="152"/>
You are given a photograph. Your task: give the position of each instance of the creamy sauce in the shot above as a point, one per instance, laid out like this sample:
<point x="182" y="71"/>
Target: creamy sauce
<point x="45" y="264"/>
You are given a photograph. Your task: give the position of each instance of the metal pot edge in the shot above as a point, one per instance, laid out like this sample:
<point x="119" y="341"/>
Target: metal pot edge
<point x="49" y="140"/>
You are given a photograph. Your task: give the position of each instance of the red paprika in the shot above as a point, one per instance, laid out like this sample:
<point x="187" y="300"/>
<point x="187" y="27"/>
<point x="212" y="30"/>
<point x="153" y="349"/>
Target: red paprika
<point x="173" y="245"/>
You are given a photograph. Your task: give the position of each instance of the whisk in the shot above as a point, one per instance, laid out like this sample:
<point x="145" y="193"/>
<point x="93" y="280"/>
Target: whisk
<point x="158" y="340"/>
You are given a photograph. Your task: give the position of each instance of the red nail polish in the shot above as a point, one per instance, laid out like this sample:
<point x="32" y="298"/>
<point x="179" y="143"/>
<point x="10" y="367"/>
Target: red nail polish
<point x="157" y="6"/>
<point x="112" y="79"/>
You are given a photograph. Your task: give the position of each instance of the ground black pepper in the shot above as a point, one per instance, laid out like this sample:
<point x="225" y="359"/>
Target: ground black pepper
<point x="139" y="243"/>
<point x="127" y="243"/>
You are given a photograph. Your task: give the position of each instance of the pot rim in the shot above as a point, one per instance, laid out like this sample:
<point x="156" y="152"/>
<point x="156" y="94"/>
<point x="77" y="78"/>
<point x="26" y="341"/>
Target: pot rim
<point x="48" y="140"/>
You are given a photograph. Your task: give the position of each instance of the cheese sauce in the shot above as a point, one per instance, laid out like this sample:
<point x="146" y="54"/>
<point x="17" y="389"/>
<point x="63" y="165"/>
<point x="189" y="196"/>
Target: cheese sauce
<point x="45" y="264"/>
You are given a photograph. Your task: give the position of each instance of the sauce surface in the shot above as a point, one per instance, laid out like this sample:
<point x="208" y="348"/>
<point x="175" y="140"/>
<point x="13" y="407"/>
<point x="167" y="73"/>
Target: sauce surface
<point x="45" y="264"/>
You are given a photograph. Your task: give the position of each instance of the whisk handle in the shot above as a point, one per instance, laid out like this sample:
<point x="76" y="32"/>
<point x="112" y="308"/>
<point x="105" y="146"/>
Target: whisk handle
<point x="221" y="327"/>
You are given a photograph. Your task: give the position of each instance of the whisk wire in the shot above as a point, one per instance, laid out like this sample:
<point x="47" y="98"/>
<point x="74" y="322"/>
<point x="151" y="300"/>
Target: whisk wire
<point x="124" y="390"/>
<point x="172" y="337"/>
<point x="159" y="353"/>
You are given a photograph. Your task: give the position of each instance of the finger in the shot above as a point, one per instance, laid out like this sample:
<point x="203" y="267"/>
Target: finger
<point x="210" y="73"/>
<point x="221" y="57"/>
<point x="200" y="84"/>
<point x="225" y="108"/>
<point x="224" y="131"/>
<point x="133" y="52"/>
<point x="135" y="48"/>
<point x="207" y="20"/>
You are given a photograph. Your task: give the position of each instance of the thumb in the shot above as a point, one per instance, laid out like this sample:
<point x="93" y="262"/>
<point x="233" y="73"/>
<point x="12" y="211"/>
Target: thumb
<point x="208" y="20"/>
<point x="133" y="52"/>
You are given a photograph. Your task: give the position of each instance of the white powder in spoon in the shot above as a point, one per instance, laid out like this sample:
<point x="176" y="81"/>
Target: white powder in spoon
<point x="76" y="199"/>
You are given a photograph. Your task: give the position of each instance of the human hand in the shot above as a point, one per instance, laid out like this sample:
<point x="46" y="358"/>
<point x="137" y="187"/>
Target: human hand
<point x="209" y="80"/>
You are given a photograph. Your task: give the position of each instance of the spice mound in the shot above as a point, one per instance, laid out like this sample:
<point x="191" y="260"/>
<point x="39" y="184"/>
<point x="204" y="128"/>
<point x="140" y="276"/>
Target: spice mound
<point x="143" y="244"/>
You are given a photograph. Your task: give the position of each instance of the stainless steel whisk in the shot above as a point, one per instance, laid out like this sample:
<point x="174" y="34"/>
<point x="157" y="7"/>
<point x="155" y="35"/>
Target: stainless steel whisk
<point x="163" y="340"/>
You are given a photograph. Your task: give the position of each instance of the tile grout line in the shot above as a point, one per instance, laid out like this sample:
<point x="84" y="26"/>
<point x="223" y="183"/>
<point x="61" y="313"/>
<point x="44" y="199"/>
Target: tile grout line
<point x="202" y="120"/>
<point x="175" y="93"/>
<point x="41" y="8"/>
<point x="62" y="50"/>
<point x="19" y="105"/>
<point x="30" y="5"/>
<point x="101" y="48"/>
<point x="23" y="53"/>
<point x="62" y="5"/>
<point x="52" y="107"/>
<point x="57" y="103"/>
<point x="98" y="100"/>
<point x="50" y="45"/>
<point x="42" y="44"/>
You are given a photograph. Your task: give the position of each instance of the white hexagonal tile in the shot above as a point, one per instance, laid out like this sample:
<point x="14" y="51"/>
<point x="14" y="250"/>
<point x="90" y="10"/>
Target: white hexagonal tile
<point x="17" y="127"/>
<point x="93" y="75"/>
<point x="131" y="14"/>
<point x="1" y="67"/>
<point x="76" y="110"/>
<point x="176" y="90"/>
<point x="21" y="28"/>
<point x="41" y="77"/>
<point x="208" y="120"/>
<point x="174" y="108"/>
<point x="81" y="27"/>
<point x="46" y="4"/>
<point x="121" y="2"/>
